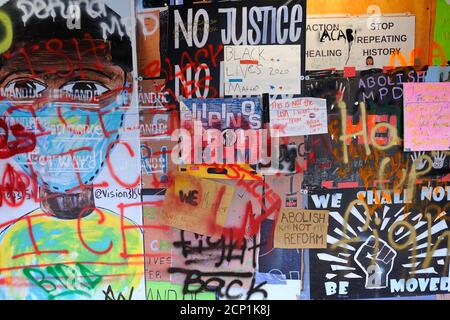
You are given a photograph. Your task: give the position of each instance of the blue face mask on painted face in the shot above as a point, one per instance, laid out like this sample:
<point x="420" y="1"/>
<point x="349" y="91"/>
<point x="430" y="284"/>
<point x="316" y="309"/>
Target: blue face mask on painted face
<point x="65" y="133"/>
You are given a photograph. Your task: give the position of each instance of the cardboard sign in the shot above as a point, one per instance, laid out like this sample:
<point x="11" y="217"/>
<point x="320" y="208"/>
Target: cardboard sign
<point x="361" y="42"/>
<point x="427" y="116"/>
<point x="152" y="94"/>
<point x="156" y="163"/>
<point x="299" y="117"/>
<point x="254" y="70"/>
<point x="155" y="124"/>
<point x="301" y="229"/>
<point x="157" y="240"/>
<point x="148" y="39"/>
<point x="197" y="205"/>
<point x="237" y="211"/>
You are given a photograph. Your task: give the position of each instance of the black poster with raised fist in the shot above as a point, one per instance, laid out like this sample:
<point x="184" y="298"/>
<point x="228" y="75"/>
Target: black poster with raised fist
<point x="381" y="244"/>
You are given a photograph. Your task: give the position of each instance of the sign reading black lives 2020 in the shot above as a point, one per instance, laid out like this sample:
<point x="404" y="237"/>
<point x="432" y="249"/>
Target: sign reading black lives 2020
<point x="361" y="42"/>
<point x="394" y="251"/>
<point x="201" y="32"/>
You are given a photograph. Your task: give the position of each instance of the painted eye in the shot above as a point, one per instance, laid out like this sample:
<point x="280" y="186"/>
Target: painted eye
<point x="81" y="87"/>
<point x="25" y="88"/>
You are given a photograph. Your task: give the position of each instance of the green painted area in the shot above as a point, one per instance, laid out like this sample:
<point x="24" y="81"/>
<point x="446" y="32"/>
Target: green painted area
<point x="442" y="30"/>
<point x="170" y="291"/>
<point x="66" y="268"/>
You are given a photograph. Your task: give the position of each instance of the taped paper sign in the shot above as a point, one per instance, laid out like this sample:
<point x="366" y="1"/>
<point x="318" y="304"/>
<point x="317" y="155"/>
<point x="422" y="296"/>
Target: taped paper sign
<point x="254" y="70"/>
<point x="427" y="116"/>
<point x="197" y="205"/>
<point x="157" y="240"/>
<point x="360" y="42"/>
<point x="299" y="117"/>
<point x="301" y="229"/>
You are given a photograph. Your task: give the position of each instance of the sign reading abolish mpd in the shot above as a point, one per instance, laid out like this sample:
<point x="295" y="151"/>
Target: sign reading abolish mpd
<point x="361" y="42"/>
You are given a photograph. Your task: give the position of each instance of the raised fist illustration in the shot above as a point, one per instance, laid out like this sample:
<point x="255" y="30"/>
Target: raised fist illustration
<point x="377" y="265"/>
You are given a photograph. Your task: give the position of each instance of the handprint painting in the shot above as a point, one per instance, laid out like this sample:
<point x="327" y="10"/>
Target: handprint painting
<point x="66" y="87"/>
<point x="435" y="162"/>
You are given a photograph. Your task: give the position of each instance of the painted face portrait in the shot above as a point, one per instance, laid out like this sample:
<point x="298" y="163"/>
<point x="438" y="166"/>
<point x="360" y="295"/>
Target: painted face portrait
<point x="65" y="89"/>
<point x="70" y="86"/>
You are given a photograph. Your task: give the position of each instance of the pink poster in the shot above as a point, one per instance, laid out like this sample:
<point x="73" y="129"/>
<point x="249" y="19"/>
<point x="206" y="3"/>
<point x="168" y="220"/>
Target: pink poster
<point x="427" y="116"/>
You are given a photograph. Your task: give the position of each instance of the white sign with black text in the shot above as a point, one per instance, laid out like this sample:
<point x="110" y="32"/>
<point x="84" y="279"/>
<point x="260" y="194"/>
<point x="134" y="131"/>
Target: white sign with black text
<point x="360" y="42"/>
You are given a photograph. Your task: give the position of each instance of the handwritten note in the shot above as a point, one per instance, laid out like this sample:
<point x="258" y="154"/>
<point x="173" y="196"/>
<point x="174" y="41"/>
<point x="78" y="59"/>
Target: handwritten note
<point x="197" y="205"/>
<point x="253" y="70"/>
<point x="427" y="116"/>
<point x="299" y="117"/>
<point x="301" y="229"/>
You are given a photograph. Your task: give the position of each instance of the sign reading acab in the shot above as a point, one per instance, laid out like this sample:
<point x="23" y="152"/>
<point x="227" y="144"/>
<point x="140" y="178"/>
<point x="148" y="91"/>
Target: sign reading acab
<point x="361" y="42"/>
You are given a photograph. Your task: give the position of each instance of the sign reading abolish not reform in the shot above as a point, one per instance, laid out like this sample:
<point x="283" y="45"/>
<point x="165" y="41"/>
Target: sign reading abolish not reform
<point x="361" y="42"/>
